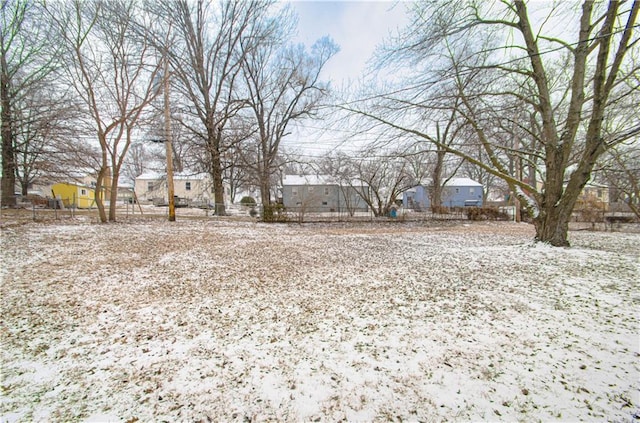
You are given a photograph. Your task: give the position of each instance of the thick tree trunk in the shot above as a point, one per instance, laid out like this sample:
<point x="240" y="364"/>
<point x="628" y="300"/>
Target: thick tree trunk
<point x="436" y="182"/>
<point x="218" y="188"/>
<point x="553" y="228"/>
<point x="113" y="197"/>
<point x="98" y="195"/>
<point x="552" y="222"/>
<point x="265" y="198"/>
<point x="8" y="154"/>
<point x="215" y="141"/>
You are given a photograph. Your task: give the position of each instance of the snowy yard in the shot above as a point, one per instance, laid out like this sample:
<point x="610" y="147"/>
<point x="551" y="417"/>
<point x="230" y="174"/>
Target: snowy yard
<point x="209" y="320"/>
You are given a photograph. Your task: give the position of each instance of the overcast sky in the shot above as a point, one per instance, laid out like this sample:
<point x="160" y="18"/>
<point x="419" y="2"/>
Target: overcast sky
<point x="356" y="26"/>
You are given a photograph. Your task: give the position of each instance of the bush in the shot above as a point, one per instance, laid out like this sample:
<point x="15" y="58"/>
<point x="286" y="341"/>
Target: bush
<point x="486" y="213"/>
<point x="274" y="213"/>
<point x="248" y="201"/>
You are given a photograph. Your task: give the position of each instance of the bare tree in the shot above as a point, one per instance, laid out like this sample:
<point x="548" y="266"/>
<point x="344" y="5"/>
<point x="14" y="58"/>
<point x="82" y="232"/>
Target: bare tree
<point x="622" y="172"/>
<point x="43" y="117"/>
<point x="27" y="56"/>
<point x="498" y="61"/>
<point x="113" y="74"/>
<point x="282" y="84"/>
<point x="205" y="56"/>
<point x="342" y="169"/>
<point x="386" y="178"/>
<point x="136" y="161"/>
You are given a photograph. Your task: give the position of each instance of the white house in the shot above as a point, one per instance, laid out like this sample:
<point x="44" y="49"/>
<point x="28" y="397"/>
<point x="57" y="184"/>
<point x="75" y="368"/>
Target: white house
<point x="193" y="187"/>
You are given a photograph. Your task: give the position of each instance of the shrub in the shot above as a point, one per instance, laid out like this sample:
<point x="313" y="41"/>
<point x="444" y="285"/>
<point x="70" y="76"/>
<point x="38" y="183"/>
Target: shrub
<point x="274" y="213"/>
<point x="486" y="213"/>
<point x="248" y="201"/>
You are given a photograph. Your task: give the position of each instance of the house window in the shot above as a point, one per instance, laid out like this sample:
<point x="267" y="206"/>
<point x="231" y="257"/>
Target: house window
<point x="83" y="192"/>
<point x="326" y="190"/>
<point x="187" y="186"/>
<point x="324" y="203"/>
<point x="294" y="192"/>
<point x="310" y="189"/>
<point x="472" y="191"/>
<point x="457" y="190"/>
<point x="149" y="186"/>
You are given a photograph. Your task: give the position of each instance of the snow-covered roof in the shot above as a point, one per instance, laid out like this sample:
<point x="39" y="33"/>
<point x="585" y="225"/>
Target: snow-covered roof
<point x="299" y="180"/>
<point x="151" y="175"/>
<point x="463" y="182"/>
<point x="309" y="180"/>
<point x="189" y="176"/>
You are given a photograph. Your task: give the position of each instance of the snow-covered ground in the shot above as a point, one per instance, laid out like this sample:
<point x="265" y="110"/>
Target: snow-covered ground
<point x="207" y="320"/>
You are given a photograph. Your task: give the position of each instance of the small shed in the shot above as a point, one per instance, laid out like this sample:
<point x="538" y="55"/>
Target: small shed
<point x="74" y="194"/>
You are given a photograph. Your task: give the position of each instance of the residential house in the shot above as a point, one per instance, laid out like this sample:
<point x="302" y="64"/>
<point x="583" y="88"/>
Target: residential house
<point x="457" y="192"/>
<point x="194" y="188"/>
<point x="322" y="193"/>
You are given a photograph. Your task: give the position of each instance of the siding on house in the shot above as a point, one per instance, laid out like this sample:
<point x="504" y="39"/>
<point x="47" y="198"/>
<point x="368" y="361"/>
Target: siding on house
<point x="458" y="192"/>
<point x="321" y="193"/>
<point x="192" y="187"/>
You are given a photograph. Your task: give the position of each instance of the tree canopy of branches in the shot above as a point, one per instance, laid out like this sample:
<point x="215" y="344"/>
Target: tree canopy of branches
<point x="112" y="72"/>
<point x="546" y="96"/>
<point x="377" y="179"/>
<point x="202" y="44"/>
<point x="28" y="56"/>
<point x="282" y="85"/>
<point x="622" y="172"/>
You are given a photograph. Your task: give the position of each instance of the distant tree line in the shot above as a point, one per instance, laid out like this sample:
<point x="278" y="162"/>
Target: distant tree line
<point x="534" y="97"/>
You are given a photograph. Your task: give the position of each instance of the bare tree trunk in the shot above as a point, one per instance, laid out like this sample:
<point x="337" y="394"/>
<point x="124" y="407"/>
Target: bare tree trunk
<point x="113" y="197"/>
<point x="100" y="190"/>
<point x="436" y="189"/>
<point x="8" y="153"/>
<point x="265" y="195"/>
<point x="217" y="171"/>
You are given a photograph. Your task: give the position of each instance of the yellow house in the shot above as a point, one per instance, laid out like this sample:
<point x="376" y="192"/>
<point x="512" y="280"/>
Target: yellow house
<point x="74" y="194"/>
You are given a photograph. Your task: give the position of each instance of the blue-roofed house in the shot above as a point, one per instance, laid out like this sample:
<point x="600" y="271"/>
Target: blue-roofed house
<point x="457" y="192"/>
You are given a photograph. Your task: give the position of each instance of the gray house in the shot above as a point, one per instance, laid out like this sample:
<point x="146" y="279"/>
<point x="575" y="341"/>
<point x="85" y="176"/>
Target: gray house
<point x="322" y="193"/>
<point x="457" y="192"/>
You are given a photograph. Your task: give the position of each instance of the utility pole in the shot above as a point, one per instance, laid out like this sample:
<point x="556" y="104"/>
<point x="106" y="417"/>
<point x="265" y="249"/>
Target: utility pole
<point x="168" y="144"/>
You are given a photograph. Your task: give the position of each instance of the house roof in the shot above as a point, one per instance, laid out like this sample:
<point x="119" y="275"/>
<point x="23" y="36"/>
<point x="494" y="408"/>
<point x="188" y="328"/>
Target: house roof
<point x="309" y="180"/>
<point x="73" y="184"/>
<point x="463" y="182"/>
<point x="455" y="182"/>
<point x="184" y="176"/>
<point x="151" y="175"/>
<point x="299" y="180"/>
